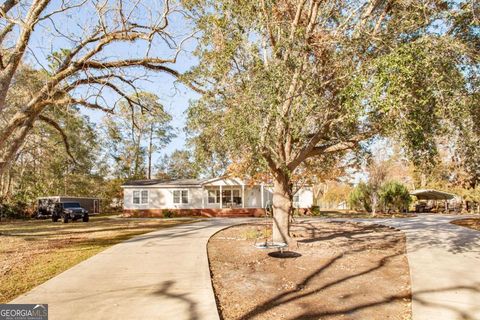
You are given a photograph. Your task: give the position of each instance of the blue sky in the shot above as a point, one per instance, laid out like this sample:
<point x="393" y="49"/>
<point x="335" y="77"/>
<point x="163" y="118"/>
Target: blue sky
<point x="173" y="95"/>
<point x="175" y="98"/>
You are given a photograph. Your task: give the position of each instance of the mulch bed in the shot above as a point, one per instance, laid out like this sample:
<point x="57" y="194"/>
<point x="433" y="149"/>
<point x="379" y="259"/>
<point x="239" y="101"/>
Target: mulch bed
<point x="472" y="223"/>
<point x="339" y="270"/>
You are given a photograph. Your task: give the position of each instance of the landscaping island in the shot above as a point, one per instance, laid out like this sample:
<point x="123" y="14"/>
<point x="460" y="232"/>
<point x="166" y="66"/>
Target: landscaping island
<point x="339" y="270"/>
<point x="472" y="223"/>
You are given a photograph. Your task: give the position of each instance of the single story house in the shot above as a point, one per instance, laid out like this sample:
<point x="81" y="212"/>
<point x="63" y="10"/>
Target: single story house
<point x="205" y="197"/>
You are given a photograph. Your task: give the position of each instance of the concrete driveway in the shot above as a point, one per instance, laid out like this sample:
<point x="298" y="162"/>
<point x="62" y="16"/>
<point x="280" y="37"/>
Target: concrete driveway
<point x="444" y="264"/>
<point x="165" y="274"/>
<point x="158" y="275"/>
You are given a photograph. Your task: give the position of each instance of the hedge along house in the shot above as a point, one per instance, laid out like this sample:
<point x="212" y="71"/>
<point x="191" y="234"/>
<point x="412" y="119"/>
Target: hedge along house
<point x="225" y="197"/>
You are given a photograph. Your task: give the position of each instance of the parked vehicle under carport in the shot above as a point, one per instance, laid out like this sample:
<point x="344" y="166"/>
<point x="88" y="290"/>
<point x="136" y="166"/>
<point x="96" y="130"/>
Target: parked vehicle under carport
<point x="66" y="211"/>
<point x="91" y="204"/>
<point x="69" y="210"/>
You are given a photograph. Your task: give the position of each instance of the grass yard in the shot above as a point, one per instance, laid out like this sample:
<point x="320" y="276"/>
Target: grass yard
<point x="472" y="223"/>
<point x="31" y="252"/>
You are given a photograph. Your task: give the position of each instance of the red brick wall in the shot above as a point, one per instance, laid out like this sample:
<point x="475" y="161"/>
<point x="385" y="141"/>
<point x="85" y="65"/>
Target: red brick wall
<point x="151" y="213"/>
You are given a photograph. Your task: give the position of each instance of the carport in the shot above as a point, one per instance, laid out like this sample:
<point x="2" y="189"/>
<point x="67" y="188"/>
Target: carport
<point x="431" y="195"/>
<point x="89" y="203"/>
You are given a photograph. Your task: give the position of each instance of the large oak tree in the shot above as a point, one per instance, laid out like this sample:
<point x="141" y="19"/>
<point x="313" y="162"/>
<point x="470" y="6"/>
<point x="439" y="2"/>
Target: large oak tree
<point x="291" y="82"/>
<point x="94" y="50"/>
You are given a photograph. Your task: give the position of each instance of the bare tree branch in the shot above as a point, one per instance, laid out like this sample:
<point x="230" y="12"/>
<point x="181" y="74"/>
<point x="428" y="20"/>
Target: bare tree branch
<point x="62" y="133"/>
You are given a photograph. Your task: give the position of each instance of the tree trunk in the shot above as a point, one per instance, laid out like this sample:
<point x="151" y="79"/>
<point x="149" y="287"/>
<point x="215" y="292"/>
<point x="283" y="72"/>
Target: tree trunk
<point x="13" y="134"/>
<point x="17" y="139"/>
<point x="150" y="151"/>
<point x="282" y="205"/>
<point x="374" y="205"/>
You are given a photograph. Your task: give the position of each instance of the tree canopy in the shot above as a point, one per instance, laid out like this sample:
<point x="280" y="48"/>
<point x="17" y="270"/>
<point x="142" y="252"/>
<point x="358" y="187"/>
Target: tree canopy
<point x="179" y="165"/>
<point x="292" y="90"/>
<point x="289" y="81"/>
<point x="134" y="133"/>
<point x="102" y="50"/>
<point x="55" y="152"/>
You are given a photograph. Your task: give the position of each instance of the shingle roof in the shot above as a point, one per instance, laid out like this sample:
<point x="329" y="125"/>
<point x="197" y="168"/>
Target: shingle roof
<point x="151" y="182"/>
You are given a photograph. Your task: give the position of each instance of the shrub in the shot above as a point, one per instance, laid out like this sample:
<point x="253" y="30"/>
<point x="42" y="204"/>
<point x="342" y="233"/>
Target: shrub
<point x="315" y="210"/>
<point x="360" y="197"/>
<point x="168" y="213"/>
<point x="394" y="196"/>
<point x="15" y="210"/>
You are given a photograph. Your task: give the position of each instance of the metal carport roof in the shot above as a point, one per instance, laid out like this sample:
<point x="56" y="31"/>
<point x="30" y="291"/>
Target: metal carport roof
<point x="430" y="194"/>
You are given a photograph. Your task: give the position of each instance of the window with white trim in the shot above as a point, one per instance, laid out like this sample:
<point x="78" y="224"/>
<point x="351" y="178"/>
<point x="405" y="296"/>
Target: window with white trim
<point x="144" y="197"/>
<point x="180" y="196"/>
<point x="140" y="196"/>
<point x="214" y="196"/>
<point x="237" y="198"/>
<point x="136" y="197"/>
<point x="227" y="196"/>
<point x="230" y="196"/>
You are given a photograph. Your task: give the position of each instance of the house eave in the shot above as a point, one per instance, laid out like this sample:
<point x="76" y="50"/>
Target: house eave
<point x="156" y="186"/>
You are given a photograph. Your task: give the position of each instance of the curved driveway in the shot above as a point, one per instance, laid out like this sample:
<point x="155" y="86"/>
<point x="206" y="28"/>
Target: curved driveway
<point x="159" y="275"/>
<point x="165" y="274"/>
<point x="444" y="264"/>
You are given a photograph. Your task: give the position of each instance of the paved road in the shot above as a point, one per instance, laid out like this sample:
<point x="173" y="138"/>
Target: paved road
<point x="444" y="264"/>
<point x="159" y="275"/>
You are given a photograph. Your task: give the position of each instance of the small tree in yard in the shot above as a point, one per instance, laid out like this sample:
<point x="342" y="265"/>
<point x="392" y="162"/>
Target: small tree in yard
<point x="377" y="173"/>
<point x="391" y="195"/>
<point x="360" y="197"/>
<point x="336" y="193"/>
<point x="290" y="82"/>
<point x="394" y="196"/>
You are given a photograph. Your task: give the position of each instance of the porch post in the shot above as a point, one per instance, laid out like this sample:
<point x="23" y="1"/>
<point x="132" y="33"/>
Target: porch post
<point x="203" y="197"/>
<point x="243" y="195"/>
<point x="261" y="196"/>
<point x="221" y="198"/>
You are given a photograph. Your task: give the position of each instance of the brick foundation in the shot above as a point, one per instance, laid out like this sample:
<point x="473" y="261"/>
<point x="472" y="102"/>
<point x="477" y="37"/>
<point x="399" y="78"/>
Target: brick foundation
<point x="231" y="213"/>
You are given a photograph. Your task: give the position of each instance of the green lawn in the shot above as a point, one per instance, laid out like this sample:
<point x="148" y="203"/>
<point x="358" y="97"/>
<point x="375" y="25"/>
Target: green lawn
<point x="34" y="251"/>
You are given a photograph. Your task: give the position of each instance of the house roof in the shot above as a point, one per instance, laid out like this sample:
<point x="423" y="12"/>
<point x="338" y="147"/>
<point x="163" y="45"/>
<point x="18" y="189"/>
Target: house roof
<point x="70" y="197"/>
<point x="430" y="194"/>
<point x="162" y="182"/>
<point x="193" y="183"/>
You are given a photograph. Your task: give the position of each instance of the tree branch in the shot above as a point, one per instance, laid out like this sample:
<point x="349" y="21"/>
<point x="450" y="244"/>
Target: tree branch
<point x="62" y="133"/>
<point x="339" y="145"/>
<point x="7" y="6"/>
<point x="154" y="64"/>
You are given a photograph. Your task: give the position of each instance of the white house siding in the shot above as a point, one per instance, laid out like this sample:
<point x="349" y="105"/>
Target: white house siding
<point x="162" y="197"/>
<point x="305" y="197"/>
<point x="252" y="197"/>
